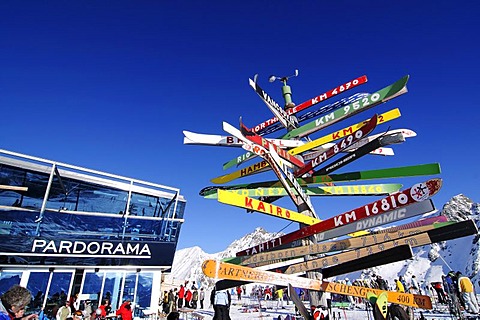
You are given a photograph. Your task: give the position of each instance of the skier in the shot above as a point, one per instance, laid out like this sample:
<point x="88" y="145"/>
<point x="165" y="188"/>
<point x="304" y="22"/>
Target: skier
<point x="399" y="286"/>
<point x="239" y="293"/>
<point x="465" y="288"/>
<point x="382" y="284"/>
<point x="279" y="294"/>
<point x="437" y="286"/>
<point x="194" y="298"/>
<point x="414" y="286"/>
<point x="202" y="297"/>
<point x="165" y="302"/>
<point x="171" y="301"/>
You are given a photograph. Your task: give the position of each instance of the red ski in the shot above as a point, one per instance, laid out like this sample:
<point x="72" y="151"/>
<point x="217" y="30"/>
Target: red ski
<point x="259" y="140"/>
<point x="311" y="102"/>
<point x="418" y="192"/>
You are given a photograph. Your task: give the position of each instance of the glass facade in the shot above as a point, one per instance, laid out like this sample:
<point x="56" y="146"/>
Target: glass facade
<point x="66" y="230"/>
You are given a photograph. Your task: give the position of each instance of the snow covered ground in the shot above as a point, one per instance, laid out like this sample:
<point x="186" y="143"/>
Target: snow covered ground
<point x="271" y="312"/>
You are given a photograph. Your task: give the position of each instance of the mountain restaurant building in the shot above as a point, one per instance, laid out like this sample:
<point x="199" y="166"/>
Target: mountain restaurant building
<point x="67" y="231"/>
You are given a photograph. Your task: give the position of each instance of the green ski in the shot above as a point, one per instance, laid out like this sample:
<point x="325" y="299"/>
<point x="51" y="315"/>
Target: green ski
<point x="396" y="172"/>
<point x="372" y="100"/>
<point x="346" y="190"/>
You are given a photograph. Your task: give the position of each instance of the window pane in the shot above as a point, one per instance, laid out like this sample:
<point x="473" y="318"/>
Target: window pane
<point x="8" y="279"/>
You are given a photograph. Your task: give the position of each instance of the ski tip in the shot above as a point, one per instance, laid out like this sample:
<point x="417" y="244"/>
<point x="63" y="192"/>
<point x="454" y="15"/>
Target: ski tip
<point x="434" y="185"/>
<point x="219" y="180"/>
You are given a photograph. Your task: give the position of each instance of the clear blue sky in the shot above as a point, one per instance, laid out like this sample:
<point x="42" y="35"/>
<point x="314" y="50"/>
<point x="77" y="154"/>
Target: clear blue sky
<point x="110" y="85"/>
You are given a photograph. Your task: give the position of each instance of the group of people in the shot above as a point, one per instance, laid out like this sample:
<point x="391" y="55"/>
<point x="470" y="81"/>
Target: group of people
<point x="190" y="297"/>
<point x="185" y="297"/>
<point x="412" y="287"/>
<point x="459" y="289"/>
<point x="14" y="301"/>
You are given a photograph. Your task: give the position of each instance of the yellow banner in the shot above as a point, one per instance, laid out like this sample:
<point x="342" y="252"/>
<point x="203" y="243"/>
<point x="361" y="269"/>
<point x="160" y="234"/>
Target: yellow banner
<point x="237" y="200"/>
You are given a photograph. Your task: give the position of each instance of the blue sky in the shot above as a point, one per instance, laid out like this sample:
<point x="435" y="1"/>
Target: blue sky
<point x="110" y="85"/>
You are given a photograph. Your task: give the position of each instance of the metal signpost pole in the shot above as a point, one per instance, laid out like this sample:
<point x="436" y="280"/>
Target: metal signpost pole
<point x="302" y="207"/>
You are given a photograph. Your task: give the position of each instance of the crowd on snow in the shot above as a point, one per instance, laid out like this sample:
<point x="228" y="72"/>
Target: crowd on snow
<point x="455" y="289"/>
<point x="191" y="297"/>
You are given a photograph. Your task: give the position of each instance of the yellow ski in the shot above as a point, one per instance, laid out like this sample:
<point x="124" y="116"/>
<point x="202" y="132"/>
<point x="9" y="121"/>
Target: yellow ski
<point x="223" y="270"/>
<point x="234" y="199"/>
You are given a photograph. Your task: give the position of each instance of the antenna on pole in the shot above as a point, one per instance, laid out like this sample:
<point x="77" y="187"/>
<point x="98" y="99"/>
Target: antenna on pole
<point x="272" y="78"/>
<point x="286" y="90"/>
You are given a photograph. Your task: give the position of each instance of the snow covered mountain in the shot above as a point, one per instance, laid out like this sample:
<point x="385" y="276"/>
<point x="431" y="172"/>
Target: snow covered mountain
<point x="428" y="264"/>
<point x="188" y="262"/>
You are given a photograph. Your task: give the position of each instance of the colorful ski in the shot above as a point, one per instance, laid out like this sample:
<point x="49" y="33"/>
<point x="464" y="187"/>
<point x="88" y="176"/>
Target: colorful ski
<point x="281" y="115"/>
<point x="347" y="190"/>
<point x="405" y="132"/>
<point x="360" y="152"/>
<point x="259" y="140"/>
<point x="372" y="298"/>
<point x="339" y="146"/>
<point x="250" y="143"/>
<point x="334" y="259"/>
<point x="307" y="156"/>
<point x="360" y="228"/>
<point x="222" y="270"/>
<point x="443" y="232"/>
<point x="279" y="167"/>
<point x="381" y="96"/>
<point x="316" y="113"/>
<point x="412" y="210"/>
<point x="379" y="142"/>
<point x="338" y="245"/>
<point x="381" y="306"/>
<point x="412" y="300"/>
<point x="298" y="303"/>
<point x="384" y="117"/>
<point x="399" y="253"/>
<point x="418" y="192"/>
<point x="307" y="104"/>
<point x="231" y="141"/>
<point x="231" y="198"/>
<point x="287" y="179"/>
<point x="396" y="172"/>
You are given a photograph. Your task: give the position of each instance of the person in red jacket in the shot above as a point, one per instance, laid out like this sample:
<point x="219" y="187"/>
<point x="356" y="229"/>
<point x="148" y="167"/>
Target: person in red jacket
<point x="103" y="308"/>
<point x="181" y="296"/>
<point x="188" y="298"/>
<point x="239" y="293"/>
<point x="125" y="310"/>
